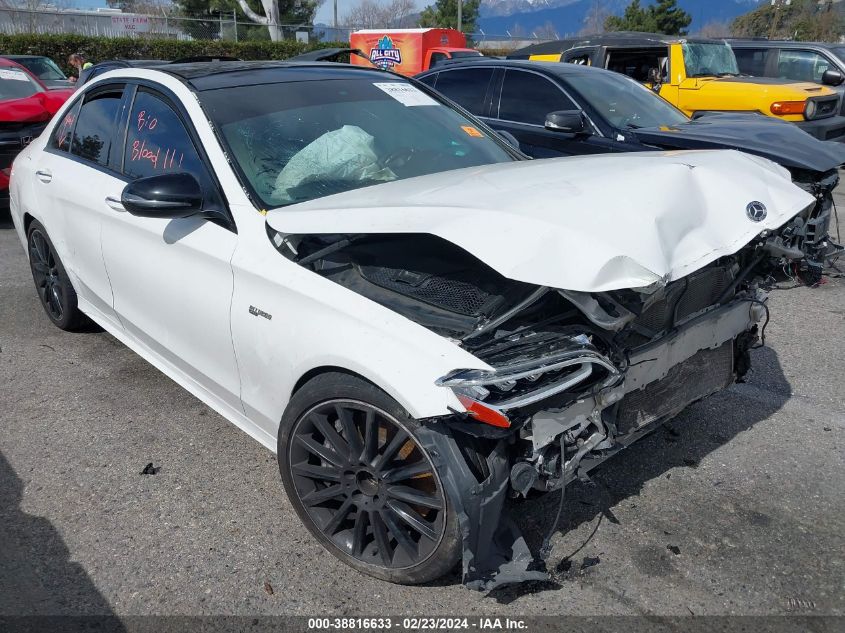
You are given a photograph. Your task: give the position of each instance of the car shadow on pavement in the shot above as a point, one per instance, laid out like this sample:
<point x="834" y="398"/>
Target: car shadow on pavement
<point x="37" y="577"/>
<point x="682" y="442"/>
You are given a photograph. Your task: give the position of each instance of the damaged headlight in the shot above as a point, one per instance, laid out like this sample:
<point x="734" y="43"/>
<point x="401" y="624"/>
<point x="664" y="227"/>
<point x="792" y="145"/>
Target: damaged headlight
<point x="490" y="394"/>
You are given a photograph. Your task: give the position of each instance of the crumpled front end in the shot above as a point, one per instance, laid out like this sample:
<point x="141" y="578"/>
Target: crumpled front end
<point x="571" y="389"/>
<point x="809" y="232"/>
<point x="593" y="317"/>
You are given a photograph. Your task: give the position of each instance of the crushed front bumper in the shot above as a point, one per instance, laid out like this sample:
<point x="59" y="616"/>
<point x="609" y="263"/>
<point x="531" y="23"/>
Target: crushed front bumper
<point x="662" y="378"/>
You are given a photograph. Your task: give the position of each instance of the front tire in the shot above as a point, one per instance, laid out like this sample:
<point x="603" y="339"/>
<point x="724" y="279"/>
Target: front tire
<point x="362" y="484"/>
<point x="58" y="298"/>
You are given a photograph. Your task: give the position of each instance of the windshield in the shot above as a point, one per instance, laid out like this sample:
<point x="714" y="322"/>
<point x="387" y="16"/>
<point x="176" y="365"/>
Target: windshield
<point x="709" y="59"/>
<point x="839" y="51"/>
<point x="297" y="141"/>
<point x="456" y="54"/>
<point x="43" y="68"/>
<point x="624" y="102"/>
<point x="16" y="84"/>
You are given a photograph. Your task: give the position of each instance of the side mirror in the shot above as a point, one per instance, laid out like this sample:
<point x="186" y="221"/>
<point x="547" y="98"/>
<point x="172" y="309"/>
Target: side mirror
<point x="568" y="121"/>
<point x="165" y="196"/>
<point x="832" y="77"/>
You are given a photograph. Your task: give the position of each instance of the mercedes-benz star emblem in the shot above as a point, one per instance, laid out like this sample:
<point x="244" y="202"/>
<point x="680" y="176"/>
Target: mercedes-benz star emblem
<point x="756" y="211"/>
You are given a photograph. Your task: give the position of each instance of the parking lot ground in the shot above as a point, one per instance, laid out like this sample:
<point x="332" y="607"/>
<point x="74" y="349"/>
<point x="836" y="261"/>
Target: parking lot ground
<point x="735" y="507"/>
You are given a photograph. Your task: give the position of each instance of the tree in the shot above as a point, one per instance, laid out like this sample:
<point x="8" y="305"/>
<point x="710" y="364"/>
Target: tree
<point x="275" y="13"/>
<point x="546" y="32"/>
<point x="595" y="19"/>
<point x="369" y="14"/>
<point x="444" y="14"/>
<point x="664" y="16"/>
<point x="715" y="29"/>
<point x="799" y="20"/>
<point x="669" y="17"/>
<point x="272" y="16"/>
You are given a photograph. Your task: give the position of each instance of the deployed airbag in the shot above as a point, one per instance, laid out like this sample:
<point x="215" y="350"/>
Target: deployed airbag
<point x="345" y="155"/>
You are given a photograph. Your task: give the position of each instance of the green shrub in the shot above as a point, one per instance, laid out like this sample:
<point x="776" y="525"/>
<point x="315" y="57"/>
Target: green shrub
<point x="59" y="47"/>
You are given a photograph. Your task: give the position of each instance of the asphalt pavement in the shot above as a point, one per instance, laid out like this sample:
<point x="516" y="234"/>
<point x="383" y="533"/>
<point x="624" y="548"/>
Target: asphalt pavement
<point x="735" y="507"/>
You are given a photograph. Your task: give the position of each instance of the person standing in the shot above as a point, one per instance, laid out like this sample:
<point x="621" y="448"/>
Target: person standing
<point x="78" y="61"/>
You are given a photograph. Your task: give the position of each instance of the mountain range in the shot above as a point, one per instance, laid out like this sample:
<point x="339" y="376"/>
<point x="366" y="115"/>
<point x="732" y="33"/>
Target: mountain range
<point x="568" y="17"/>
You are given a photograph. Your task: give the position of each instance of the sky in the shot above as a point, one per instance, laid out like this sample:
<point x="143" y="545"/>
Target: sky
<point x="324" y="13"/>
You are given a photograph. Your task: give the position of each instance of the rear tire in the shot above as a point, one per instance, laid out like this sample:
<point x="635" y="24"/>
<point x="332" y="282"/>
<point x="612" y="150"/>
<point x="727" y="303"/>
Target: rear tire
<point x="57" y="295"/>
<point x="375" y="502"/>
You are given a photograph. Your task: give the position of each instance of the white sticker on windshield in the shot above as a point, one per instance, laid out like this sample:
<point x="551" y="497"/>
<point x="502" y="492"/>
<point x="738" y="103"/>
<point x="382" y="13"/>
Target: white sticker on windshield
<point x="17" y="75"/>
<point x="406" y="94"/>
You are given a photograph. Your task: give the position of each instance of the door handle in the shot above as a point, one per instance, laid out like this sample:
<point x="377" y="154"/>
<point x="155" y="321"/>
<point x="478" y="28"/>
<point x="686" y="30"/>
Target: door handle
<point x="115" y="203"/>
<point x="44" y="175"/>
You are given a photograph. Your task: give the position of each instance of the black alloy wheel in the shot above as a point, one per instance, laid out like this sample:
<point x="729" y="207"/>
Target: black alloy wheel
<point x="366" y="484"/>
<point x="51" y="281"/>
<point x="45" y="273"/>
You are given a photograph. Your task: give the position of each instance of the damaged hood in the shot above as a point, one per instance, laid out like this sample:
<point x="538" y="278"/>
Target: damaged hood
<point x="775" y="139"/>
<point x="591" y="224"/>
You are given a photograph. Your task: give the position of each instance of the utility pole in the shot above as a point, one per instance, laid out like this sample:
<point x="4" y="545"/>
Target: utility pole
<point x="335" y="15"/>
<point x="460" y="2"/>
<point x="777" y="4"/>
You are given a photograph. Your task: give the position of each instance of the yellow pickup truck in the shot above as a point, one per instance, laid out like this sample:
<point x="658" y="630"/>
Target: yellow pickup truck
<point x="699" y="76"/>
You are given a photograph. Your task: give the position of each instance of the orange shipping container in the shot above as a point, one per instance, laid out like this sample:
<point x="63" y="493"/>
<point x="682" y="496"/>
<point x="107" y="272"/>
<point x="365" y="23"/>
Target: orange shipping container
<point x="408" y="51"/>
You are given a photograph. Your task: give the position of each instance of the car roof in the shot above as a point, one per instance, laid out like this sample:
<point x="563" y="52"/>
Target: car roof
<point x="559" y="69"/>
<point x="228" y="74"/>
<point x="766" y="43"/>
<point x="617" y="38"/>
<point x="26" y="57"/>
<point x="129" y="63"/>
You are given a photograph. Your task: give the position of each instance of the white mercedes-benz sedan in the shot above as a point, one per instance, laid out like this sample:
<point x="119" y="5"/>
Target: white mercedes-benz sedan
<point x="372" y="283"/>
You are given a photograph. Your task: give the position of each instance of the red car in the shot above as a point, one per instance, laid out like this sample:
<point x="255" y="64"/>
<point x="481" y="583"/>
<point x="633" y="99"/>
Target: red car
<point x="26" y="106"/>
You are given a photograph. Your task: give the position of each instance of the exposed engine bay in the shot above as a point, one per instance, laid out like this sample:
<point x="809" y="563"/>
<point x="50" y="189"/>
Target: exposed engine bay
<point x="577" y="376"/>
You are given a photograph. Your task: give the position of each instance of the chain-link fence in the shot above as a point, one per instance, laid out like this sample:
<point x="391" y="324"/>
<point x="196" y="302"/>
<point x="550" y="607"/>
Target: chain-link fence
<point x="222" y="26"/>
<point x="114" y="24"/>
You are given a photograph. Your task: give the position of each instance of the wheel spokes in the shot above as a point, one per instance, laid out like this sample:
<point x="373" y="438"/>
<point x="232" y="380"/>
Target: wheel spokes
<point x="398" y="441"/>
<point x="370" y="448"/>
<point x="382" y="540"/>
<point x="320" y="450"/>
<point x="402" y="539"/>
<point x="312" y="471"/>
<point x="359" y="533"/>
<point x="350" y="431"/>
<point x="413" y="519"/>
<point x="414" y="497"/>
<point x="339" y="517"/>
<point x="322" y="495"/>
<point x="328" y="432"/>
<point x="406" y="472"/>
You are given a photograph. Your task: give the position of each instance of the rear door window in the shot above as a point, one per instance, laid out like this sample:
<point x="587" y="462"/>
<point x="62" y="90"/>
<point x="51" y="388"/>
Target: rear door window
<point x="63" y="132"/>
<point x="466" y="87"/>
<point x="751" y="61"/>
<point x="527" y="98"/>
<point x="94" y="133"/>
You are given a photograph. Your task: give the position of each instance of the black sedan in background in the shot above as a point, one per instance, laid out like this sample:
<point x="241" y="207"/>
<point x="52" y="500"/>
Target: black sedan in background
<point x="554" y="109"/>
